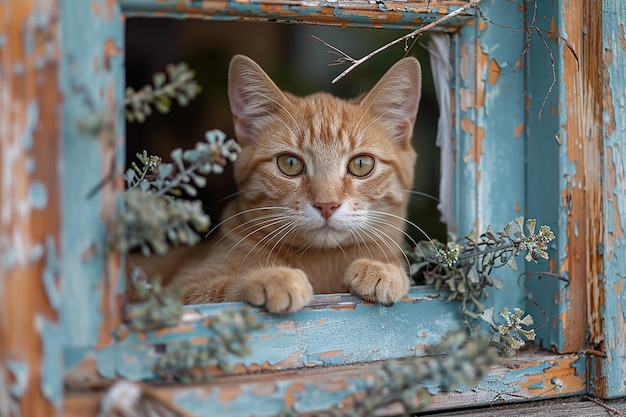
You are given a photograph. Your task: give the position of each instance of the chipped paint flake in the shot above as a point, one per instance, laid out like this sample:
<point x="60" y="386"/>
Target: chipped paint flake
<point x="37" y="196"/>
<point x="51" y="365"/>
<point x="19" y="372"/>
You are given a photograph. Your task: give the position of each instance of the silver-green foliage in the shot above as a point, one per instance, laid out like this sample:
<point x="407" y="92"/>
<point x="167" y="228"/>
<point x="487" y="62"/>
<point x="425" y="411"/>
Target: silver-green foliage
<point x="509" y="336"/>
<point x="177" y="83"/>
<point x="228" y="332"/>
<point x="465" y="268"/>
<point x="155" y="307"/>
<point x="458" y="361"/>
<point x="153" y="219"/>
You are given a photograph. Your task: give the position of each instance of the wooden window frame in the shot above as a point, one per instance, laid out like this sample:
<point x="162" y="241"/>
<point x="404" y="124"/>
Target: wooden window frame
<point x="62" y="293"/>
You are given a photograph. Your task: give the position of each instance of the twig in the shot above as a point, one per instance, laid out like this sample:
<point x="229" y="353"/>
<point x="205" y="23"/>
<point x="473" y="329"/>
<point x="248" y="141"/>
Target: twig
<point x="530" y="27"/>
<point x="344" y="58"/>
<point x="605" y="406"/>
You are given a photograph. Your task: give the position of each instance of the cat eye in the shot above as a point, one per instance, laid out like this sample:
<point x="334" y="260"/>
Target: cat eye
<point x="290" y="165"/>
<point x="361" y="165"/>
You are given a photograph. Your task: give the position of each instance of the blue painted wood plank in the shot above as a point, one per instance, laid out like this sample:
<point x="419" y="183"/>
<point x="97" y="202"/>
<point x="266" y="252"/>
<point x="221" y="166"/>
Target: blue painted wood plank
<point x="490" y="120"/>
<point x="611" y="378"/>
<point x="548" y="166"/>
<point x="533" y="375"/>
<point x="343" y="333"/>
<point x="407" y="15"/>
<point x="92" y="80"/>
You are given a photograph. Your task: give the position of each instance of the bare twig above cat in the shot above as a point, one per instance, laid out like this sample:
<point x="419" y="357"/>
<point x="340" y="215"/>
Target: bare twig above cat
<point x="345" y="58"/>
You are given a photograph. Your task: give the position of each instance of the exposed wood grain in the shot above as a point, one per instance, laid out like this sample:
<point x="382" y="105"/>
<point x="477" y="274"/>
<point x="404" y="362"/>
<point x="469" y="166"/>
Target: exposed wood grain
<point x="405" y="14"/>
<point x="609" y="380"/>
<point x="30" y="142"/>
<point x="565" y="407"/>
<point x="337" y="385"/>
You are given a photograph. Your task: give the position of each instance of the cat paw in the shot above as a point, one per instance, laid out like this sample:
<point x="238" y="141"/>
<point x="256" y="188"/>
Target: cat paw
<point x="376" y="281"/>
<point x="280" y="290"/>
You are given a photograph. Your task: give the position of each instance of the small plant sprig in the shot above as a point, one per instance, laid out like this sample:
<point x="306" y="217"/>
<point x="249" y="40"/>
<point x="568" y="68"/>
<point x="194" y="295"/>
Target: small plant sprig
<point x="455" y="362"/>
<point x="466" y="269"/>
<point x="230" y="330"/>
<point x="177" y="83"/>
<point x="508" y="338"/>
<point x="155" y="306"/>
<point x="153" y="219"/>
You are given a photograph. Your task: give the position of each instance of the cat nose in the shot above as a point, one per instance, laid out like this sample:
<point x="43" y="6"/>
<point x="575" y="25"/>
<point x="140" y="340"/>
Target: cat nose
<point x="326" y="209"/>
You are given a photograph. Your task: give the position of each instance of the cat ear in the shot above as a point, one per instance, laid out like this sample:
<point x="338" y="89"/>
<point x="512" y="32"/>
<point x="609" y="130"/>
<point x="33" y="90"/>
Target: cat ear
<point x="253" y="96"/>
<point x="395" y="98"/>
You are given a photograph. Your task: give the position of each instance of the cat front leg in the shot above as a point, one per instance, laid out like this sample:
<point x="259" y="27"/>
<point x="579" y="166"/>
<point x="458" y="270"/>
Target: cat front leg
<point x="279" y="290"/>
<point x="376" y="281"/>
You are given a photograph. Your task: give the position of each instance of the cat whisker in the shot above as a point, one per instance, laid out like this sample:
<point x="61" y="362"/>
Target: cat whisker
<point x="294" y="226"/>
<point x="228" y="197"/>
<point x="380" y="220"/>
<point x="302" y="251"/>
<point x="385" y="238"/>
<point x="414" y="193"/>
<point x="408" y="222"/>
<point x="256" y="230"/>
<point x="242" y="213"/>
<point x="360" y="240"/>
<point x="372" y="233"/>
<point x="265" y="240"/>
<point x="250" y="224"/>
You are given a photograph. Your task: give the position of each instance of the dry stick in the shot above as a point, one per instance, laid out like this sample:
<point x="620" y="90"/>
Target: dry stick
<point x="604" y="405"/>
<point x="356" y="62"/>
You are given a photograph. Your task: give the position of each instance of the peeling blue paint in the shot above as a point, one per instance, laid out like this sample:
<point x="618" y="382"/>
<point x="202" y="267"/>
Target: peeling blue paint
<point x="37" y="195"/>
<point x="233" y="10"/>
<point x="548" y="172"/>
<point x="52" y="365"/>
<point x="308" y="338"/>
<point x="32" y="118"/>
<point x="537" y="385"/>
<point x="18" y="68"/>
<point x="20" y="371"/>
<point x="612" y="371"/>
<point x="29" y="165"/>
<point x="199" y="404"/>
<point x="50" y="274"/>
<point x="84" y="85"/>
<point x="580" y="365"/>
<point x="36" y="253"/>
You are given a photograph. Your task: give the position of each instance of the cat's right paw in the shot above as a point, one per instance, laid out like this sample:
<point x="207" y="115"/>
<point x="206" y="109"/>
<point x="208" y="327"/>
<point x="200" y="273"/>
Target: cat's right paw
<point x="280" y="290"/>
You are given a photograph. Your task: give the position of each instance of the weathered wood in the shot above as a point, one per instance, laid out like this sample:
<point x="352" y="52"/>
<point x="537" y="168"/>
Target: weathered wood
<point x="564" y="159"/>
<point x="489" y="124"/>
<point x="609" y="320"/>
<point x="30" y="219"/>
<point x="401" y="14"/>
<point x="564" y="407"/>
<point x="92" y="81"/>
<point x="334" y="330"/>
<point x="532" y="375"/>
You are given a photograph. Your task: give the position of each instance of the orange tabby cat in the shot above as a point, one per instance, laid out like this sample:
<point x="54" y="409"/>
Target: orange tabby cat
<point x="323" y="187"/>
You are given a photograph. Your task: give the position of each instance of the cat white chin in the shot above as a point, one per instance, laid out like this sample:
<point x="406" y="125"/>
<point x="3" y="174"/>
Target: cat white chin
<point x="328" y="238"/>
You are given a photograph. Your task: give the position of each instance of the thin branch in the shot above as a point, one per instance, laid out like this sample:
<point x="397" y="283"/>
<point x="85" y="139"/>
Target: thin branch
<point x="345" y="58"/>
<point x="607" y="407"/>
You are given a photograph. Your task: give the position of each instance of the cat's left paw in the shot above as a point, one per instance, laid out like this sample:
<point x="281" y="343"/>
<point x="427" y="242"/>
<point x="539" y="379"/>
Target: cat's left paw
<point x="376" y="281"/>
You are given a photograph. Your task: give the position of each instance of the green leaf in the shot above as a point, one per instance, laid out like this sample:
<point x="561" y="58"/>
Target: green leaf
<point x="159" y="79"/>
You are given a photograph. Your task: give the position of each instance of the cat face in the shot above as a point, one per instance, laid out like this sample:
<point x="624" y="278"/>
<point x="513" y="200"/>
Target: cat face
<point x="320" y="171"/>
